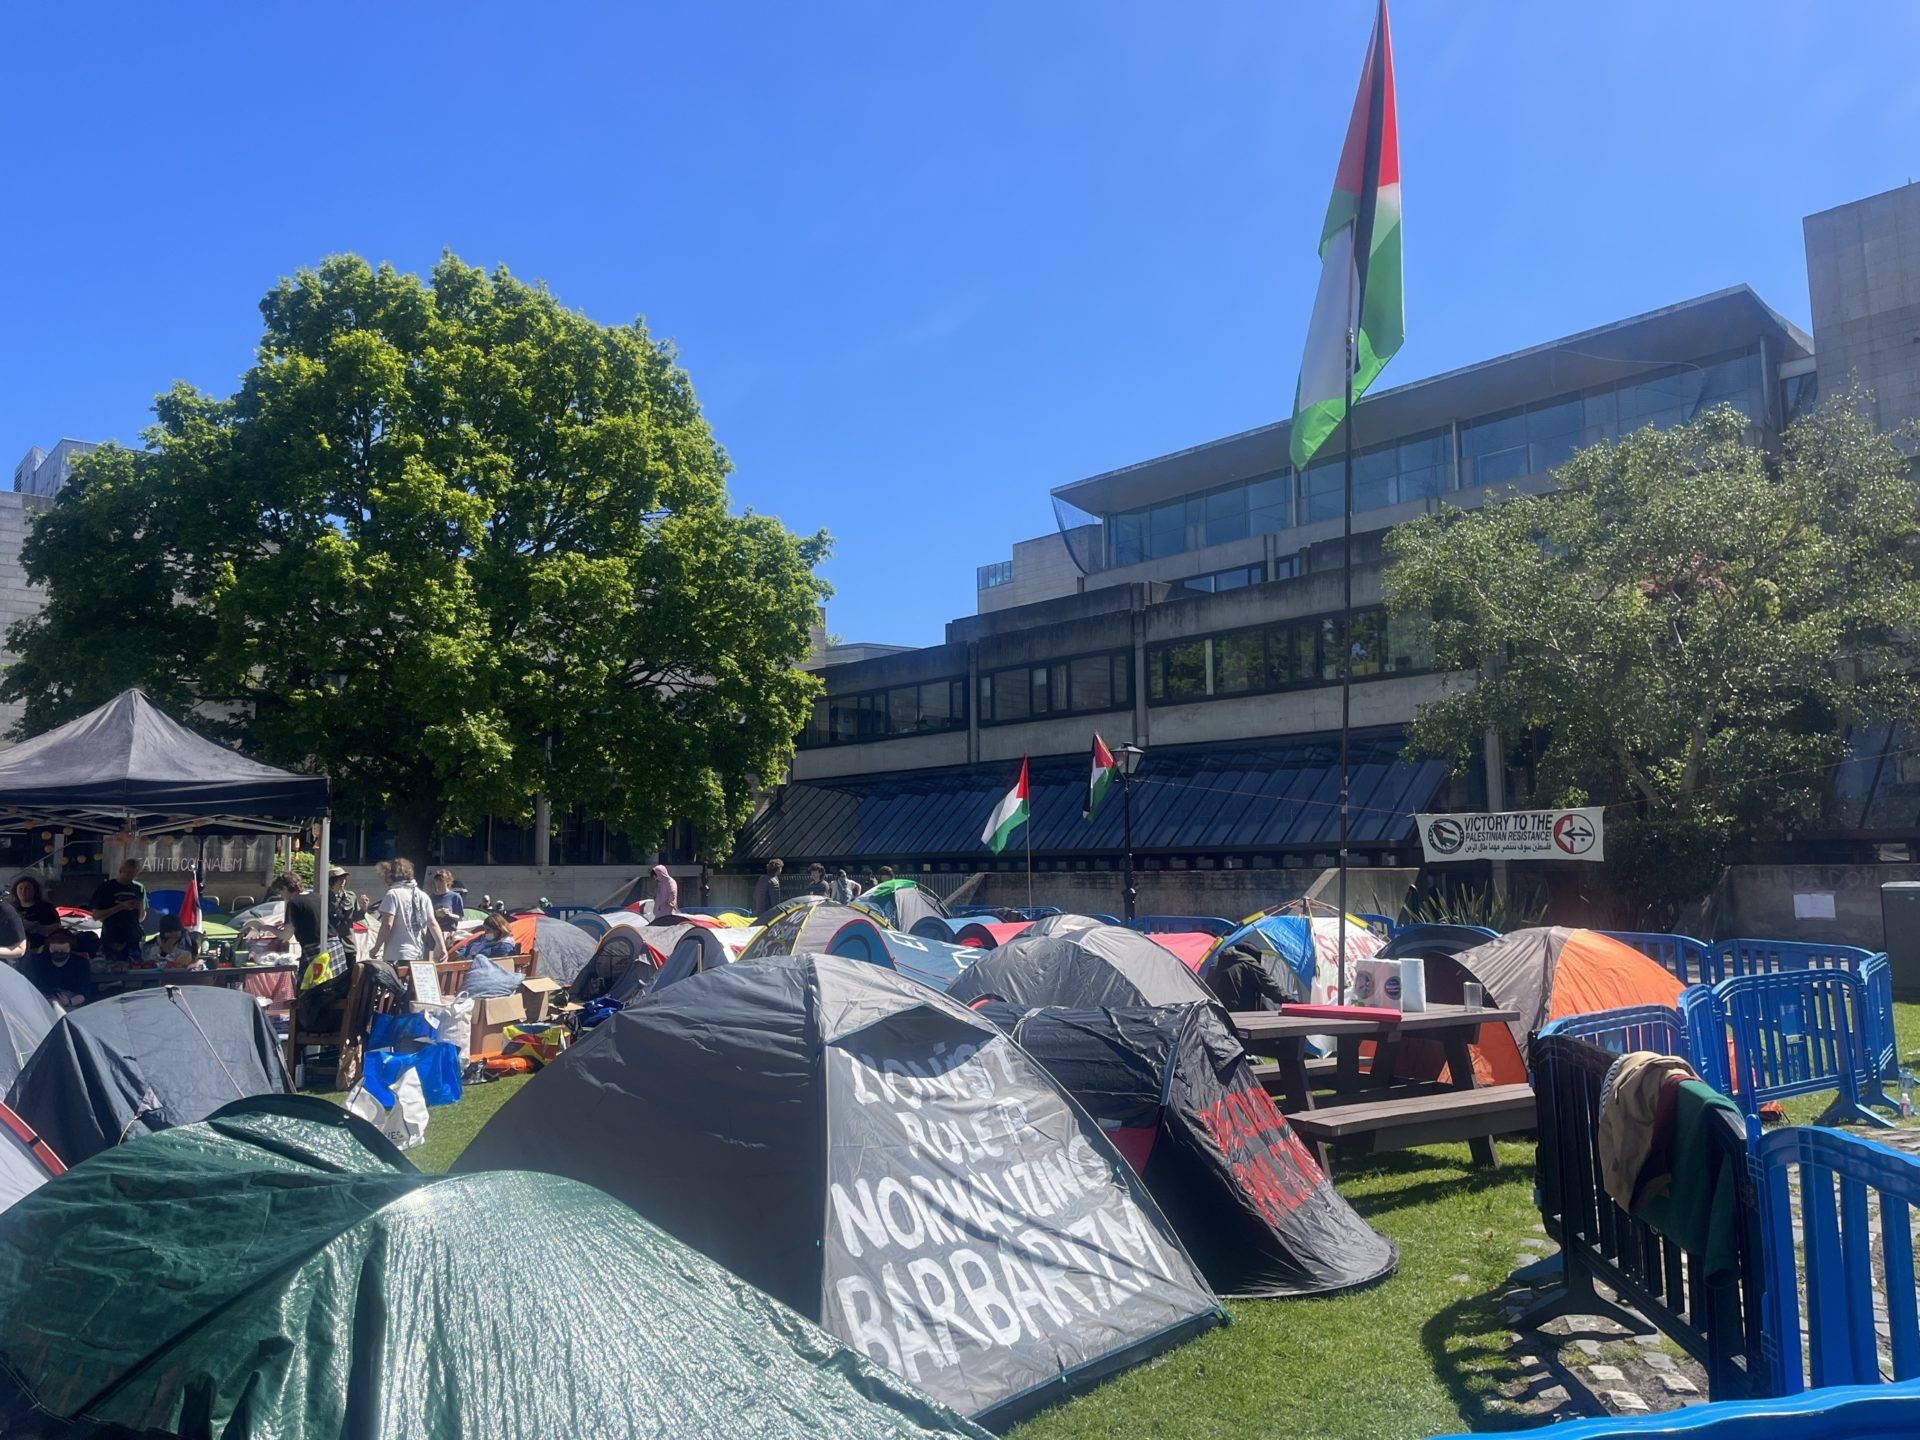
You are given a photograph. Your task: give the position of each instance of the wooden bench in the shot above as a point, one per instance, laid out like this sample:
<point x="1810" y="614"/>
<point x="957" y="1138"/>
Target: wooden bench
<point x="1321" y="1072"/>
<point x="453" y="973"/>
<point x="1434" y="1119"/>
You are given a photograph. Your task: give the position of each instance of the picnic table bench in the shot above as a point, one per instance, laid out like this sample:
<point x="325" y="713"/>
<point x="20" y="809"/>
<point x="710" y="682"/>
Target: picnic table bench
<point x="1375" y="1109"/>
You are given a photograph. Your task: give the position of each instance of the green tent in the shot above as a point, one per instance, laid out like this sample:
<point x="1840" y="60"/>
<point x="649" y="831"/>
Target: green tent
<point x="280" y="1270"/>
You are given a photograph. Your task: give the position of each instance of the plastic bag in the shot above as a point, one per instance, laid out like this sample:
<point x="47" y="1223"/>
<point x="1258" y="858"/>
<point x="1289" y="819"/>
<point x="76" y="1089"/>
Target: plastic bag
<point x="387" y="1031"/>
<point x="453" y="1022"/>
<point x="436" y="1066"/>
<point x="405" y="1121"/>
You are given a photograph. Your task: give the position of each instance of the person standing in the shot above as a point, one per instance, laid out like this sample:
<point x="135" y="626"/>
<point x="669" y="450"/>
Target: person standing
<point x="816" y="879"/>
<point x="448" y="902"/>
<point x="408" y="930"/>
<point x="343" y="908"/>
<point x="666" y="892"/>
<point x="766" y="890"/>
<point x="120" y="905"/>
<point x="841" y="890"/>
<point x="300" y="917"/>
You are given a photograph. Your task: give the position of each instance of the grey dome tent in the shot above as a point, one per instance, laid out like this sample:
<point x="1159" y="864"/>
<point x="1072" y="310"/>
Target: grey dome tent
<point x="25" y="1018"/>
<point x="280" y="1272"/>
<point x="133" y="1064"/>
<point x="1175" y="1092"/>
<point x="879" y="1158"/>
<point x="1100" y="967"/>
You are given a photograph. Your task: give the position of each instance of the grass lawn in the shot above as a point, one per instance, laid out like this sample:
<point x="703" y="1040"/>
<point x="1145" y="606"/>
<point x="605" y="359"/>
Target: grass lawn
<point x="1421" y="1354"/>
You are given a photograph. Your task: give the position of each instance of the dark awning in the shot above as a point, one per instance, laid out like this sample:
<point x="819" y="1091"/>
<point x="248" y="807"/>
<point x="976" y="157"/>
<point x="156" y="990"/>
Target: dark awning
<point x="130" y="765"/>
<point x="1281" y="795"/>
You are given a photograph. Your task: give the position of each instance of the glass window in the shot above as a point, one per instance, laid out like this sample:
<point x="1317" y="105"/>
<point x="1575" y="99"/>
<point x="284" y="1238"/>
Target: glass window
<point x="1123" y="679"/>
<point x="1373" y="478"/>
<point x="1239" y="663"/>
<point x="1799" y="394"/>
<point x="1226" y="515"/>
<point x="1600" y="416"/>
<point x="903" y="710"/>
<point x="1129" y="531"/>
<point x="1365" y="635"/>
<point x="1285" y="567"/>
<point x="1323" y="492"/>
<point x="986" y="698"/>
<point x="1410" y="642"/>
<point x="1058" y="688"/>
<point x="1166" y="530"/>
<point x="996" y="574"/>
<point x="1091" y="683"/>
<point x="1186" y="670"/>
<point x="1038" y="678"/>
<point x="1495" y="450"/>
<point x="1426" y="467"/>
<point x="1662" y="401"/>
<point x="936" y="707"/>
<point x="1156" y="675"/>
<point x="1010" y="696"/>
<point x="1238" y="578"/>
<point x="1270" y="503"/>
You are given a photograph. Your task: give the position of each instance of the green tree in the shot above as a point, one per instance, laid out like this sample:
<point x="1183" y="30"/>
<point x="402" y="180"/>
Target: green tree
<point x="450" y="542"/>
<point x="1687" y="626"/>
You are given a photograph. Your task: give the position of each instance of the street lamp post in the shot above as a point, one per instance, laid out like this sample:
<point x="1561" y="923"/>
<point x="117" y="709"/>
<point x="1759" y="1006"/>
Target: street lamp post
<point x="1129" y="758"/>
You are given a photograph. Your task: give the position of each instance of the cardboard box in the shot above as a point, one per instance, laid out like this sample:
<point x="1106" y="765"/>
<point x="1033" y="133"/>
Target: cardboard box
<point x="531" y="1002"/>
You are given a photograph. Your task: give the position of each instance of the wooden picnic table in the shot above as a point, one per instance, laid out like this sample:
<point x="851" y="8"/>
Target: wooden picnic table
<point x="1390" y="1117"/>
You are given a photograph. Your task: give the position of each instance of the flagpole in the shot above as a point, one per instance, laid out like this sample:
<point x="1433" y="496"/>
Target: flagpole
<point x="1346" y="634"/>
<point x="1027" y="829"/>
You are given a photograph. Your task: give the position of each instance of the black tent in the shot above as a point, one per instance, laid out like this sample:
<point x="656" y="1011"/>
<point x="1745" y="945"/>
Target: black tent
<point x="879" y="1158"/>
<point x="1176" y="1094"/>
<point x="25" y="1018"/>
<point x="1101" y="967"/>
<point x="280" y="1272"/>
<point x="141" y="1062"/>
<point x="127" y="766"/>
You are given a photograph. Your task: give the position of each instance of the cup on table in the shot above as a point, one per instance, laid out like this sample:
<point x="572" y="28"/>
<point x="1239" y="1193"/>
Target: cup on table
<point x="1471" y="995"/>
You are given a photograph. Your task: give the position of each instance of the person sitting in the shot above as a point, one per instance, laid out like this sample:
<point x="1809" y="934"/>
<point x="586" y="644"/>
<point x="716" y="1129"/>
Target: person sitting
<point x="486" y="980"/>
<point x="59" y="972"/>
<point x="173" y="948"/>
<point x="37" y="913"/>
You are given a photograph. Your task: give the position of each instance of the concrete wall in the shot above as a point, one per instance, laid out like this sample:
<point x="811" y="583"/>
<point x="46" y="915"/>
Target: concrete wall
<point x="1230" y="894"/>
<point x="1757" y="901"/>
<point x="523" y="885"/>
<point x="1863" y="278"/>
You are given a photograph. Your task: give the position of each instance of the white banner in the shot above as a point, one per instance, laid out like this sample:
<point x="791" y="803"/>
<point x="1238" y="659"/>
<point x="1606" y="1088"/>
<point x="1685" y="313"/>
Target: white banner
<point x="1514" y="835"/>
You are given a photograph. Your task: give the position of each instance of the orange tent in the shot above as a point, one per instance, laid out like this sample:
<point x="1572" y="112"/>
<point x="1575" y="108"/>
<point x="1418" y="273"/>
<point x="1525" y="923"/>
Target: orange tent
<point x="1190" y="946"/>
<point x="1544" y="973"/>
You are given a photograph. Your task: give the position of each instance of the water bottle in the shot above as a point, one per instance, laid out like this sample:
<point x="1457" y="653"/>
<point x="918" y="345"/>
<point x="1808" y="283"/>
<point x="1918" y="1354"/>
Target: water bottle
<point x="1906" y="1093"/>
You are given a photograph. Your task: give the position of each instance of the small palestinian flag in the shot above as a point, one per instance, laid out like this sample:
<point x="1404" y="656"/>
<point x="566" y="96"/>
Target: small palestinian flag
<point x="1100" y="779"/>
<point x="1008" y="816"/>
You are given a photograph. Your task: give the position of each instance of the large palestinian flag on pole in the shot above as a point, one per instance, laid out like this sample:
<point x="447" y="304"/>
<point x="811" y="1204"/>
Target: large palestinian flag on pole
<point x="1100" y="778"/>
<point x="1360" y="261"/>
<point x="1008" y="816"/>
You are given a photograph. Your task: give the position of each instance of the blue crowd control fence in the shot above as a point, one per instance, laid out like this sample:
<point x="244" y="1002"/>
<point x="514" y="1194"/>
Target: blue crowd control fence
<point x="1851" y="1412"/>
<point x="1387" y="926"/>
<point x="1634" y="1027"/>
<point x="1833" y="1263"/>
<point x="1682" y="955"/>
<point x="1761" y="957"/>
<point x="992" y="912"/>
<point x="567" y="912"/>
<point x="1762" y="1038"/>
<point x="1183" y="925"/>
<point x="1715" y="1318"/>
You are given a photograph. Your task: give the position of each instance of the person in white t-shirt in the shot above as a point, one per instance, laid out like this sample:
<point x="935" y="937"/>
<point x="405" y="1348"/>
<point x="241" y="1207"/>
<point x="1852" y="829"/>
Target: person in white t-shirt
<point x="408" y="929"/>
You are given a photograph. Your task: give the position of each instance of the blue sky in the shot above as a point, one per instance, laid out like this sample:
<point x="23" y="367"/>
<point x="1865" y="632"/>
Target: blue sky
<point x="923" y="261"/>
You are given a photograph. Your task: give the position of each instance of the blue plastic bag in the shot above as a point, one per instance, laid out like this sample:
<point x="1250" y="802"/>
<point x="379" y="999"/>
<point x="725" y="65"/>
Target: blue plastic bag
<point x="438" y="1065"/>
<point x="390" y="1030"/>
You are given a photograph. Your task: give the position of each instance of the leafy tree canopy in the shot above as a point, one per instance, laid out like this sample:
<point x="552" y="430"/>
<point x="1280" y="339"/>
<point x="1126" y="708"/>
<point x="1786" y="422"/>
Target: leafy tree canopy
<point x="450" y="542"/>
<point x="1687" y="623"/>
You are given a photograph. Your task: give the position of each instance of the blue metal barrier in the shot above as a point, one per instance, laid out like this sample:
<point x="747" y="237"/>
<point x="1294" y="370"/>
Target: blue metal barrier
<point x="1840" y="1344"/>
<point x="1883" y="1046"/>
<point x="992" y="912"/>
<point x="1681" y="955"/>
<point x="1792" y="1032"/>
<point x="1716" y="1318"/>
<point x="1183" y="925"/>
<point x="1762" y="957"/>
<point x="567" y="912"/>
<point x="1634" y="1027"/>
<point x="1850" y="1412"/>
<point x="1387" y="928"/>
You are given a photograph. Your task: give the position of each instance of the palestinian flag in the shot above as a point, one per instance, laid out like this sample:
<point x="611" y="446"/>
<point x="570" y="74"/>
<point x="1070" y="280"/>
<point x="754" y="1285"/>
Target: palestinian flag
<point x="1360" y="261"/>
<point x="190" y="906"/>
<point x="1008" y="816"/>
<point x="1100" y="780"/>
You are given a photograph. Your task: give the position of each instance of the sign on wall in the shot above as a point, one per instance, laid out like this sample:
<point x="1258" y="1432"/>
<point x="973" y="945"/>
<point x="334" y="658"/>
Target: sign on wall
<point x="1514" y="835"/>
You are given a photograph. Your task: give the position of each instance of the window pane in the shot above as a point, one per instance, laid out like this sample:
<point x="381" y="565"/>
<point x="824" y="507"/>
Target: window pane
<point x="1366" y="642"/>
<point x="957" y="701"/>
<point x="1237" y="578"/>
<point x="1061" y="702"/>
<point x="1373" y="478"/>
<point x="1129" y="533"/>
<point x="843" y="719"/>
<point x="1038" y="678"/>
<point x="1239" y="663"/>
<point x="1325" y="490"/>
<point x="935" y="707"/>
<point x="1270" y="503"/>
<point x="1486" y="437"/>
<point x="903" y="710"/>
<point x="1123" y="679"/>
<point x="1091" y="681"/>
<point x="1010" y="695"/>
<point x="1410" y="642"/>
<point x="1156" y="675"/>
<point x="1600" y="416"/>
<point x="1167" y="530"/>
<point x="986" y="699"/>
<point x="1186" y="670"/>
<point x="1285" y="567"/>
<point x="1226" y="512"/>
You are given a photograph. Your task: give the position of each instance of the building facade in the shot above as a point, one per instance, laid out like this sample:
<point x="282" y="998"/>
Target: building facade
<point x="46" y="472"/>
<point x="1191" y="603"/>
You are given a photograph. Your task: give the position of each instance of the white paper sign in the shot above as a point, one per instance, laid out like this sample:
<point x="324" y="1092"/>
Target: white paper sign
<point x="1515" y="835"/>
<point x="1813" y="907"/>
<point x="426" y="982"/>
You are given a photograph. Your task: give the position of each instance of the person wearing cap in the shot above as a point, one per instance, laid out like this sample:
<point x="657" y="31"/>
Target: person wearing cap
<point x="173" y="947"/>
<point x="343" y="910"/>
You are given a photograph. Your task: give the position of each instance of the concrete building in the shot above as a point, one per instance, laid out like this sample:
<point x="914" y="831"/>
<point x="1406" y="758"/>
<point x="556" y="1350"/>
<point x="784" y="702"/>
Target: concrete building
<point x="45" y="472"/>
<point x="1189" y="603"/>
<point x="18" y="600"/>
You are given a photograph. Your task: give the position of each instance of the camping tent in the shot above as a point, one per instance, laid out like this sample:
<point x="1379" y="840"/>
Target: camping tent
<point x="932" y="962"/>
<point x="280" y="1272"/>
<point x="128" y="765"/>
<point x="901" y="904"/>
<point x="1099" y="968"/>
<point x="625" y="956"/>
<point x="1190" y="947"/>
<point x="1416" y="942"/>
<point x="26" y="1161"/>
<point x="25" y="1018"/>
<point x="564" y="948"/>
<point x="1176" y="1094"/>
<point x="140" y="1062"/>
<point x="1544" y="973"/>
<point x="699" y="948"/>
<point x="800" y="929"/>
<point x="878" y="1157"/>
<point x="1298" y="951"/>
